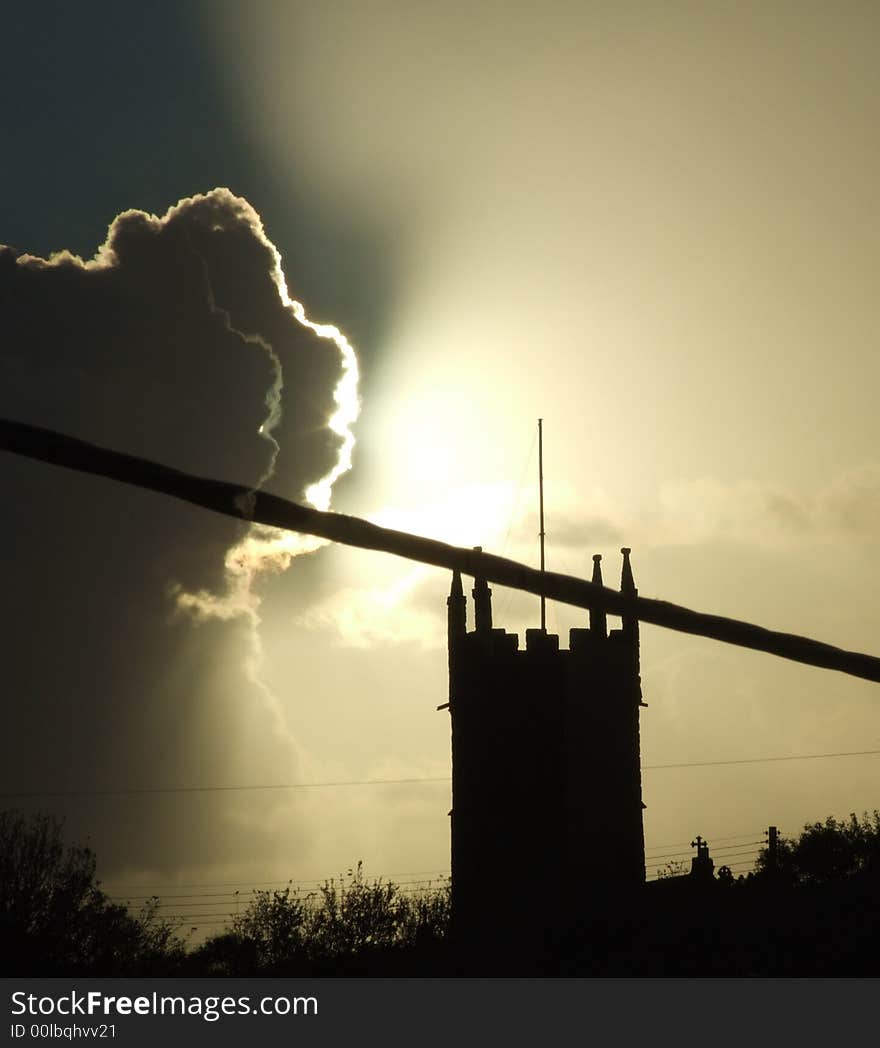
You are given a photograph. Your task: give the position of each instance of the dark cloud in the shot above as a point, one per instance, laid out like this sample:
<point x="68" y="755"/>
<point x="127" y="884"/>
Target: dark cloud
<point x="173" y="343"/>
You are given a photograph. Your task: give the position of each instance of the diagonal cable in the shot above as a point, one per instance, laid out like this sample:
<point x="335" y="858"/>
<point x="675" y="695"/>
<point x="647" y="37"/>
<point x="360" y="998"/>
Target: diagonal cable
<point x="261" y="507"/>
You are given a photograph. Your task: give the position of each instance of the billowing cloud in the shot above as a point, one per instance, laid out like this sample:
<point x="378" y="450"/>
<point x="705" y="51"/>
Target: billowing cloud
<point x="177" y="341"/>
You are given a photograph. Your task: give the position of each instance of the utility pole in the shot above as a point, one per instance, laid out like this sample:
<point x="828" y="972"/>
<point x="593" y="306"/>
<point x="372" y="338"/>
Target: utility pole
<point x="772" y="848"/>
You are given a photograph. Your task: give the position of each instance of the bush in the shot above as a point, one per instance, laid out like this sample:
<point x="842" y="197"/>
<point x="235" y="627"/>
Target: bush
<point x="345" y="922"/>
<point x="54" y="920"/>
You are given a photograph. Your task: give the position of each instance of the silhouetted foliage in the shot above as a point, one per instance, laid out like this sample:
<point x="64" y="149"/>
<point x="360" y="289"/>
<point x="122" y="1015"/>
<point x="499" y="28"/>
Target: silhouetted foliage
<point x="55" y="920"/>
<point x="673" y="868"/>
<point x="355" y="914"/>
<point x="349" y="923"/>
<point x="827" y="852"/>
<point x="272" y="930"/>
<point x="815" y="914"/>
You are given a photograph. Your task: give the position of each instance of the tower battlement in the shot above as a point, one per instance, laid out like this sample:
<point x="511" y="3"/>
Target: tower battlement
<point x="545" y="767"/>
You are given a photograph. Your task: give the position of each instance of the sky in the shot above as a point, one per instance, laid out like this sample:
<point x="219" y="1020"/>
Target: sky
<point x="654" y="226"/>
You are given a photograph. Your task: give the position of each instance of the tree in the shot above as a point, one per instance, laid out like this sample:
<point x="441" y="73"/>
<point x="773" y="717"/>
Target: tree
<point x="271" y="930"/>
<point x="827" y="852"/>
<point x="357" y="915"/>
<point x="54" y="919"/>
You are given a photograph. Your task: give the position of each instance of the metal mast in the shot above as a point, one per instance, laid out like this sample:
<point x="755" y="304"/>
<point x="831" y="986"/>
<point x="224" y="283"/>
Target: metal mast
<point x="541" y="510"/>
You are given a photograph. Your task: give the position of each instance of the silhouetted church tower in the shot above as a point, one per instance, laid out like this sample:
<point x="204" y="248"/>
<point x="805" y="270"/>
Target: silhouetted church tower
<point x="546" y="784"/>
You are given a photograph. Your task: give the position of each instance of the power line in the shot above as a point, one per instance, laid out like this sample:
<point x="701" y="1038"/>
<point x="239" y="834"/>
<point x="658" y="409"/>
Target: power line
<point x="714" y="852"/>
<point x="730" y="866"/>
<point x="761" y="760"/>
<point x="723" y="848"/>
<point x="234" y="910"/>
<point x="398" y="782"/>
<point x="260" y="507"/>
<point x="393" y="782"/>
<point x="222" y="789"/>
<point x="192" y="895"/>
<point x="298" y="890"/>
<point x="728" y="847"/>
<point x="686" y="844"/>
<point x="116" y="886"/>
<point x="179" y="905"/>
<point x="668" y="855"/>
<point x="193" y="916"/>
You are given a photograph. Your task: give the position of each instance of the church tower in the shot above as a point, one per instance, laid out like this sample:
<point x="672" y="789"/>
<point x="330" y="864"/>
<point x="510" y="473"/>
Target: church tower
<point x="546" y="782"/>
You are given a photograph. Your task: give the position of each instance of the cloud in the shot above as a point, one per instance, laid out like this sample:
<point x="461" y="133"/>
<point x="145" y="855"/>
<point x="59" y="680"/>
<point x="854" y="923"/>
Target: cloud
<point x="700" y="511"/>
<point x="847" y="509"/>
<point x="177" y="341"/>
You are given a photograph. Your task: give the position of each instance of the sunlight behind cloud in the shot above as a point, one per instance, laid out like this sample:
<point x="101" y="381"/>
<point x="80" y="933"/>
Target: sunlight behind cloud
<point x="469" y="515"/>
<point x="393" y="602"/>
<point x="652" y="228"/>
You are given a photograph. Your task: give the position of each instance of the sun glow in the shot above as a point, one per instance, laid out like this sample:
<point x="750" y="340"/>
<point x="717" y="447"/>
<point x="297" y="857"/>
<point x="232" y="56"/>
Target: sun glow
<point x="468" y="515"/>
<point x="396" y="603"/>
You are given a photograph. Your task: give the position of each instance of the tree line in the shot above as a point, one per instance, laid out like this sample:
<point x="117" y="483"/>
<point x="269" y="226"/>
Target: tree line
<point x="809" y="908"/>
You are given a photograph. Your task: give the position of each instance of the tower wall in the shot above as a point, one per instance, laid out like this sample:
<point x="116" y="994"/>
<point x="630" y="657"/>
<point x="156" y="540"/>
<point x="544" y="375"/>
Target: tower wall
<point x="547" y="812"/>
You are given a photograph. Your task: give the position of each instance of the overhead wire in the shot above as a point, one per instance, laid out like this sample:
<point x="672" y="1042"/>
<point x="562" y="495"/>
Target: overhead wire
<point x="260" y="507"/>
<point x="760" y="760"/>
<point x="686" y="844"/>
<point x="299" y="891"/>
<point x="138" y="790"/>
<point x="288" y="882"/>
